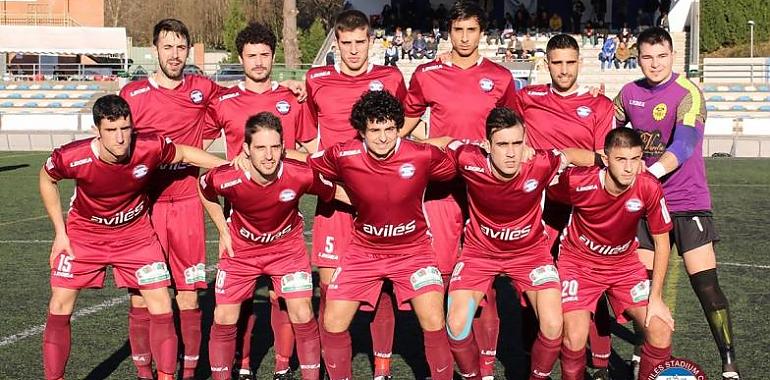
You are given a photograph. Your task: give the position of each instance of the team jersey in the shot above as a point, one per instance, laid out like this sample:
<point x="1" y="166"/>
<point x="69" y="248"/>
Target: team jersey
<point x="656" y="112"/>
<point x="230" y="110"/>
<point x="178" y="114"/>
<point x="459" y="99"/>
<point x="555" y="121"/>
<point x="109" y="199"/>
<point x="602" y="229"/>
<point x="263" y="214"/>
<point x="387" y="194"/>
<point x="505" y="216"/>
<point x="331" y="95"/>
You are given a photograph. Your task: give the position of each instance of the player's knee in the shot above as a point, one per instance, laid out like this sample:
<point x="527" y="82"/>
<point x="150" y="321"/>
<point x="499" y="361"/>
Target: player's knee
<point x="60" y="306"/>
<point x="432" y="321"/>
<point x="458" y="326"/>
<point x="575" y="336"/>
<point x="224" y="315"/>
<point x="658" y="334"/>
<point x="302" y="313"/>
<point x="187" y="300"/>
<point x="551" y="326"/>
<point x="706" y="286"/>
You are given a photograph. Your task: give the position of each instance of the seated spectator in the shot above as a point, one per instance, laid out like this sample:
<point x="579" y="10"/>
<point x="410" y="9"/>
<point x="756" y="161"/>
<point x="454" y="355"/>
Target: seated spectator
<point x="514" y="45"/>
<point x="408" y="45"/>
<point x="625" y="33"/>
<point x="330" y="56"/>
<point x="398" y="39"/>
<point x="509" y="56"/>
<point x="508" y="33"/>
<point x="633" y="57"/>
<point x="431" y="47"/>
<point x="622" y="54"/>
<point x="379" y="33"/>
<point x="528" y="47"/>
<point x="419" y="46"/>
<point x="589" y="35"/>
<point x="391" y="55"/>
<point x="493" y="37"/>
<point x="607" y="55"/>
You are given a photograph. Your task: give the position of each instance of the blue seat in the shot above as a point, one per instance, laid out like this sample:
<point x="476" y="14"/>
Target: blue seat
<point x="2" y="86"/>
<point x="764" y="108"/>
<point x="79" y="104"/>
<point x="763" y="88"/>
<point x="46" y="86"/>
<point x="717" y="98"/>
<point x="62" y="96"/>
<point x="92" y="87"/>
<point x="744" y="98"/>
<point x="70" y="87"/>
<point x="737" y="88"/>
<point x="23" y="87"/>
<point x="711" y="107"/>
<point x="767" y="99"/>
<point x="14" y="95"/>
<point x="737" y="107"/>
<point x="37" y="96"/>
<point x="710" y="88"/>
<point x="6" y="104"/>
<point x="86" y="96"/>
<point x="55" y="105"/>
<point x="30" y="104"/>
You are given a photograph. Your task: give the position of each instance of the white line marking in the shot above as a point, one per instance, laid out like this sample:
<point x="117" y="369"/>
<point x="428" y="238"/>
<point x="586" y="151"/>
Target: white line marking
<point x="23" y="155"/>
<point x="23" y="220"/>
<point x="744" y="265"/>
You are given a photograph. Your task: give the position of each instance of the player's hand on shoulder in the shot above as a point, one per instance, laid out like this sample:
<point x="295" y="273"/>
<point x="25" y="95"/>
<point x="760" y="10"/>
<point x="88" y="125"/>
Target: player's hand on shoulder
<point x="527" y="153"/>
<point x="61" y="244"/>
<point x="445" y="57"/>
<point x="297" y="87"/>
<point x="657" y="308"/>
<point x="226" y="245"/>
<point x="596" y="91"/>
<point x="642" y="168"/>
<point x="242" y="162"/>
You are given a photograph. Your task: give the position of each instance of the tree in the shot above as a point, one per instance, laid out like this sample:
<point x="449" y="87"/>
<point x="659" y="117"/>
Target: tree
<point x="290" y="43"/>
<point x="725" y="22"/>
<point x="311" y="40"/>
<point x="236" y="20"/>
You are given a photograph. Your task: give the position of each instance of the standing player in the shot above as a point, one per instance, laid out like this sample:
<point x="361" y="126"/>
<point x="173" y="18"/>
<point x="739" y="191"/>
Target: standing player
<point x="460" y="95"/>
<point x="107" y="224"/>
<point x="598" y="251"/>
<point x="385" y="178"/>
<point x="332" y="91"/>
<point x="228" y="113"/>
<point x="670" y="112"/>
<point x="263" y="237"/>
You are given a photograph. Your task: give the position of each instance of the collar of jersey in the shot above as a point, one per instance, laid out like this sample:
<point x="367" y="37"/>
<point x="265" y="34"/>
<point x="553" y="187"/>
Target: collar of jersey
<point x="481" y="59"/>
<point x="242" y="85"/>
<point x="153" y="83"/>
<point x="395" y="150"/>
<point x="579" y="91"/>
<point x="602" y="181"/>
<point x="95" y="150"/>
<point x="247" y="174"/>
<point x="338" y="69"/>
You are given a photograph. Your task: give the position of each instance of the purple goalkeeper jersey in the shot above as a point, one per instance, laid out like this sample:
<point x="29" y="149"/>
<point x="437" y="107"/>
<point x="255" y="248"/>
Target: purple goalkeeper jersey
<point x="656" y="112"/>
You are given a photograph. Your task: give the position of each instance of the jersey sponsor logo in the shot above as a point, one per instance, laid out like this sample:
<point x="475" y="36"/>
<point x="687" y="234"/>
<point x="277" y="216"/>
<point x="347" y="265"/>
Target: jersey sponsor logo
<point x="584" y="111"/>
<point x="139" y="91"/>
<point x="406" y="170"/>
<point x="49" y="163"/>
<point x="659" y="111"/>
<point x="653" y="143"/>
<point x="229" y="96"/>
<point x="544" y="274"/>
<point x="346" y="153"/>
<point x="283" y="107"/>
<point x="230" y="183"/>
<point x="177" y="166"/>
<point x="196" y="96"/>
<point x="140" y="171"/>
<point x="431" y="68"/>
<point x="427" y="276"/>
<point x="296" y="282"/>
<point x="287" y="195"/>
<point x="581" y="189"/>
<point x="633" y="205"/>
<point x="636" y="103"/>
<point x="122" y="217"/>
<point x="506" y="234"/>
<point x="530" y="185"/>
<point x="195" y="273"/>
<point x="641" y="291"/>
<point x="605" y="249"/>
<point x="537" y="93"/>
<point x="320" y="74"/>
<point x="83" y="161"/>
<point x="152" y="273"/>
<point x="456" y="272"/>
<point x="391" y="230"/>
<point x="264" y="238"/>
<point x="472" y="168"/>
<point x="486" y="84"/>
<point x="376" y="85"/>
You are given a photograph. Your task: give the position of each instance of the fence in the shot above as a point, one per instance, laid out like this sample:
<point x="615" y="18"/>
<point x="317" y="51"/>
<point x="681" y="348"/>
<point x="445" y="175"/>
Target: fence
<point x="736" y="70"/>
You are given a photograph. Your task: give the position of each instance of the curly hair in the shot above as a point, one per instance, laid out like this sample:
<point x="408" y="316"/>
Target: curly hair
<point x="374" y="107"/>
<point x="255" y="33"/>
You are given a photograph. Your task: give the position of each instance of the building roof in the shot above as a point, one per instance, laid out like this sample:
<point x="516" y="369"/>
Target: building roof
<point x="55" y="40"/>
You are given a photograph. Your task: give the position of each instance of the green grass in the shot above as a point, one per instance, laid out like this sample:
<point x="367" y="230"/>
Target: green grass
<point x="100" y="350"/>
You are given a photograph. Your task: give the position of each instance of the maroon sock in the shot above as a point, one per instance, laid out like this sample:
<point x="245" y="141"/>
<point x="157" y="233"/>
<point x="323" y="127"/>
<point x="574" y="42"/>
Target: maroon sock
<point x="652" y="356"/>
<point x="222" y="350"/>
<point x="190" y="326"/>
<point x="466" y="355"/>
<point x="599" y="335"/>
<point x="283" y="335"/>
<point x="246" y="321"/>
<point x="163" y="342"/>
<point x="139" y="338"/>
<point x="381" y="329"/>
<point x="438" y="354"/>
<point x="544" y="354"/>
<point x="337" y="351"/>
<point x="573" y="363"/>
<point x="57" y="340"/>
<point x="308" y="349"/>
<point x="485" y="329"/>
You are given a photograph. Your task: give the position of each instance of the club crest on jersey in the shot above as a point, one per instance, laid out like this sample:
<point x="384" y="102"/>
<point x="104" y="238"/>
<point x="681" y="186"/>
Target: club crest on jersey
<point x="376" y="85"/>
<point x="633" y="205"/>
<point x="406" y="171"/>
<point x="140" y="171"/>
<point x="583" y="111"/>
<point x="283" y="107"/>
<point x="659" y="111"/>
<point x="196" y="96"/>
<point x="287" y="195"/>
<point x="486" y="84"/>
<point x="530" y="185"/>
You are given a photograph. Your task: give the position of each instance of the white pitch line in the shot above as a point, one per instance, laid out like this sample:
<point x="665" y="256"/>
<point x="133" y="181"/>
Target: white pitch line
<point x="23" y="155"/>
<point x="744" y="265"/>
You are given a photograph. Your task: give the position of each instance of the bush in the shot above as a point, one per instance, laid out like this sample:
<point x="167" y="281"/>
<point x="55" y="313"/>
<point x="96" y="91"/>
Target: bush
<point x="725" y="22"/>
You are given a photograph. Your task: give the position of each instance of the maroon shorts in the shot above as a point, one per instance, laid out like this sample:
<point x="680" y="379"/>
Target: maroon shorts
<point x="179" y="226"/>
<point x="446" y="225"/>
<point x="332" y="231"/>
<point x="361" y="273"/>
<point x="626" y="285"/>
<point x="531" y="271"/>
<point x="136" y="264"/>
<point x="286" y="263"/>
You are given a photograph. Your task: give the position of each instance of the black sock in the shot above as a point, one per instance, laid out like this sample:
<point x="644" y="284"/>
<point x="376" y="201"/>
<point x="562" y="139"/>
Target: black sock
<point x="716" y="308"/>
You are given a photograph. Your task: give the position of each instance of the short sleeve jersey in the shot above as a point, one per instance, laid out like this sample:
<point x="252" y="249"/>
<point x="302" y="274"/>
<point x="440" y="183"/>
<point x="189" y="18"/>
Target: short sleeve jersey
<point x="656" y="112"/>
<point x="332" y="94"/>
<point x="556" y="121"/>
<point x="602" y="229"/>
<point x="505" y="216"/>
<point x="387" y="194"/>
<point x="178" y="114"/>
<point x="229" y="111"/>
<point x="109" y="198"/>
<point x="263" y="214"/>
<point x="459" y="99"/>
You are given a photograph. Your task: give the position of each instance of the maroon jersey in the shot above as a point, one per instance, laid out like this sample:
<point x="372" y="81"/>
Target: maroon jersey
<point x="459" y="99"/>
<point x="578" y="120"/>
<point x="178" y="114"/>
<point x="505" y="216"/>
<point x="263" y="214"/>
<point x="331" y="95"/>
<point x="109" y="198"/>
<point x="230" y="110"/>
<point x="603" y="227"/>
<point x="387" y="194"/>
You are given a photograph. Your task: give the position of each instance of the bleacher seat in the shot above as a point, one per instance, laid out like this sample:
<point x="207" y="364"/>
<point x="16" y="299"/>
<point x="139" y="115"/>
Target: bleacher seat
<point x="763" y="88"/>
<point x="37" y="96"/>
<point x="767" y="99"/>
<point x="79" y="105"/>
<point x="70" y="87"/>
<point x="764" y="108"/>
<point x="23" y="87"/>
<point x="86" y="96"/>
<point x="62" y="96"/>
<point x="709" y="88"/>
<point x="2" y="86"/>
<point x="716" y="98"/>
<point x="711" y="108"/>
<point x="30" y="104"/>
<point x="46" y="86"/>
<point x="93" y="87"/>
<point x="6" y="104"/>
<point x="54" y="105"/>
<point x="14" y="95"/>
<point x="737" y="88"/>
<point x="744" y="98"/>
<point x="737" y="107"/>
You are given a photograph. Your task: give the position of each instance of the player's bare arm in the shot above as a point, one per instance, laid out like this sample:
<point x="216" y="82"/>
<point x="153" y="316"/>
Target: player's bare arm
<point x="309" y="146"/>
<point x="297" y="87"/>
<point x="410" y="128"/>
<point x="49" y="192"/>
<point x="217" y="215"/>
<point x="578" y="157"/>
<point x="656" y="307"/>
<point x="197" y="157"/>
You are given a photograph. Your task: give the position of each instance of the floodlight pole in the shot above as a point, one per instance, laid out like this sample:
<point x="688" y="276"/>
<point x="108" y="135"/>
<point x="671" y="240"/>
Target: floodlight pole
<point x="751" y="38"/>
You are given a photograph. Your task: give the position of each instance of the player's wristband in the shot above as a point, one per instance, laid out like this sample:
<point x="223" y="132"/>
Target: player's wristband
<point x="657" y="170"/>
<point x="598" y="160"/>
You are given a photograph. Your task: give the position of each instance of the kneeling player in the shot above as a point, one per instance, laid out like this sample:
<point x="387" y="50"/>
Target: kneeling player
<point x="108" y="224"/>
<point x="268" y="240"/>
<point x="598" y="253"/>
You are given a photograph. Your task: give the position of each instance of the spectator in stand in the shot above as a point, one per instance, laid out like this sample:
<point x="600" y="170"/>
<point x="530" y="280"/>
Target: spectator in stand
<point x="607" y="55"/>
<point x="419" y="46"/>
<point x="436" y="31"/>
<point x="577" y="15"/>
<point x="589" y="34"/>
<point x="663" y="20"/>
<point x="431" y="47"/>
<point x="633" y="58"/>
<point x="514" y="45"/>
<point x="391" y="54"/>
<point x="625" y="33"/>
<point x="406" y="48"/>
<point x="330" y="56"/>
<point x="398" y="39"/>
<point x="493" y="37"/>
<point x="622" y="54"/>
<point x="509" y="56"/>
<point x="528" y="45"/>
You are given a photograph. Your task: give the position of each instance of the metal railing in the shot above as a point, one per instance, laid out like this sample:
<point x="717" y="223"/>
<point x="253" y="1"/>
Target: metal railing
<point x="748" y="72"/>
<point x="37" y="19"/>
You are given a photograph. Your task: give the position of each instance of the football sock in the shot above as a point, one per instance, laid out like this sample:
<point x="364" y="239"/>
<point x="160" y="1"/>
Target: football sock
<point x="190" y="327"/>
<point x="56" y="345"/>
<point x="573" y="363"/>
<point x="308" y="349"/>
<point x="283" y="335"/>
<point x="652" y="356"/>
<point x="544" y="354"/>
<point x="246" y="320"/>
<point x="466" y="355"/>
<point x="139" y="339"/>
<point x="717" y="311"/>
<point x="485" y="329"/>
<point x="163" y="342"/>
<point x="381" y="328"/>
<point x="438" y="354"/>
<point x="337" y="350"/>
<point x="222" y="350"/>
<point x="599" y="335"/>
